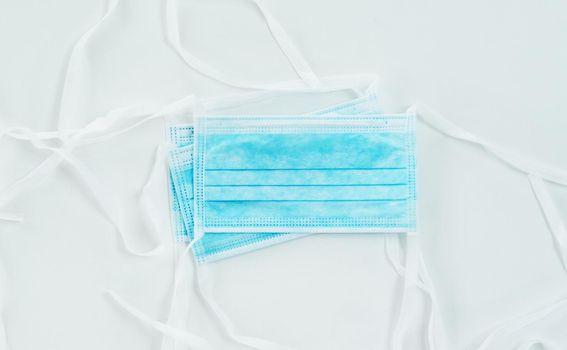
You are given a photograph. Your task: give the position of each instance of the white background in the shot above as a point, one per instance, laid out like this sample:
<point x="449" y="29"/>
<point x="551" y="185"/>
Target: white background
<point x="496" y="68"/>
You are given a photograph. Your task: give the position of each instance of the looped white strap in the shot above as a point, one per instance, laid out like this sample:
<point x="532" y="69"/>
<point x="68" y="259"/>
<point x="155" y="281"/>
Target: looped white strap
<point x="518" y="323"/>
<point x="151" y="213"/>
<point x="283" y="40"/>
<point x="22" y="133"/>
<point x="184" y="337"/>
<point x="100" y="129"/>
<point x="278" y="33"/>
<point x="520" y="162"/>
<point x="175" y="301"/>
<point x="410" y="282"/>
<point x="71" y="105"/>
<point x="436" y="337"/>
<point x="552" y="216"/>
<point x="536" y="172"/>
<point x="203" y="288"/>
<point x="166" y="329"/>
<point x="106" y="203"/>
<point x="103" y="197"/>
<point x="205" y="291"/>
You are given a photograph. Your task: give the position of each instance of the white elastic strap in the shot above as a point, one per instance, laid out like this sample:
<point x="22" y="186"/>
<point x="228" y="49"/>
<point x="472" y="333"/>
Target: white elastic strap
<point x="520" y="322"/>
<point x="204" y="288"/>
<point x="518" y="161"/>
<point x="177" y="303"/>
<point x="187" y="338"/>
<point x="132" y="116"/>
<point x="71" y="105"/>
<point x="552" y="217"/>
<point x="102" y="124"/>
<point x="150" y="213"/>
<point x="282" y="39"/>
<point x="436" y="337"/>
<point x="106" y="202"/>
<point x="528" y="166"/>
<point x="167" y="329"/>
<point x="102" y="196"/>
<point x="116" y="122"/>
<point x="33" y="177"/>
<point x="22" y="133"/>
<point x="410" y="279"/>
<point x="45" y="167"/>
<point x="392" y="250"/>
<point x="285" y="43"/>
<point x="178" y="276"/>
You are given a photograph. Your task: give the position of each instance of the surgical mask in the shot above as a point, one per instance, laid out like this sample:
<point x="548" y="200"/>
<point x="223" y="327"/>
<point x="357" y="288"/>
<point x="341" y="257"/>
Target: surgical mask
<point x="218" y="245"/>
<point x="222" y="245"/>
<point x="299" y="174"/>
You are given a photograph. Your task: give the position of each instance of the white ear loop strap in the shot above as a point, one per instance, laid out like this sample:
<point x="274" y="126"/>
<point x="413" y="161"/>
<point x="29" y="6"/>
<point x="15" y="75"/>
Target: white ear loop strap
<point x="549" y="210"/>
<point x="283" y="40"/>
<point x="536" y="172"/>
<point x="436" y="337"/>
<point x="184" y="337"/>
<point x="278" y="33"/>
<point x="410" y="281"/>
<point x="202" y="279"/>
<point x="528" y="166"/>
<point x="176" y="302"/>
<point x="205" y="291"/>
<point x="98" y="130"/>
<point x="552" y="217"/>
<point x="188" y="338"/>
<point x="71" y="104"/>
<point x="521" y="322"/>
<point x="102" y="124"/>
<point x="151" y="213"/>
<point x="102" y="196"/>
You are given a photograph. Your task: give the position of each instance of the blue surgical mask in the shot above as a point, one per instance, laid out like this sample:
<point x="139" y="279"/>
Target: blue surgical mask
<point x="220" y="245"/>
<point x="302" y="174"/>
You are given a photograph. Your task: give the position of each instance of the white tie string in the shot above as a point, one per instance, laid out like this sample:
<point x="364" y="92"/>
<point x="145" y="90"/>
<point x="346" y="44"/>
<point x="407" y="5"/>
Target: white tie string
<point x="279" y="35"/>
<point x="552" y="217"/>
<point x="71" y="105"/>
<point x="182" y="336"/>
<point x="521" y="322"/>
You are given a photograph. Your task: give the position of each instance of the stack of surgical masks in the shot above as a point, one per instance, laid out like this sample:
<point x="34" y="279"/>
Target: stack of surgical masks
<point x="242" y="182"/>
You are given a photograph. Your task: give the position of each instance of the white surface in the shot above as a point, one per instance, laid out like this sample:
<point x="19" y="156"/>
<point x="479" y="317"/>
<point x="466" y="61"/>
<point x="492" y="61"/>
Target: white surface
<point x="497" y="69"/>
